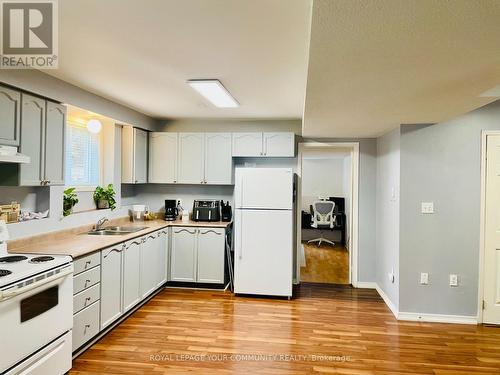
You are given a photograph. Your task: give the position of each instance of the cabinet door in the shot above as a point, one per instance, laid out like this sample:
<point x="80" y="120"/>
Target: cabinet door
<point x="33" y="136"/>
<point x="191" y="153"/>
<point x="163" y="155"/>
<point x="10" y="103"/>
<point x="162" y="256"/>
<point x="183" y="255"/>
<point x="247" y="144"/>
<point x="55" y="128"/>
<point x="279" y="144"/>
<point x="211" y="255"/>
<point x="149" y="264"/>
<point x="111" y="284"/>
<point x="140" y="156"/>
<point x="127" y="155"/>
<point x="131" y="273"/>
<point x="218" y="158"/>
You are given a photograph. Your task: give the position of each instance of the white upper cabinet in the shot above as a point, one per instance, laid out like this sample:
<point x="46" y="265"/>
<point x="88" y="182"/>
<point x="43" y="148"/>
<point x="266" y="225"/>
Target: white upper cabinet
<point x="134" y="155"/>
<point x="55" y="130"/>
<point x="163" y="154"/>
<point x="247" y="144"/>
<point x="10" y="104"/>
<point x="218" y="159"/>
<point x="191" y="154"/>
<point x="33" y="140"/>
<point x="279" y="144"/>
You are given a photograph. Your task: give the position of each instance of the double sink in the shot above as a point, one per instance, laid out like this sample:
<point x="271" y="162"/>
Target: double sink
<point x="114" y="231"/>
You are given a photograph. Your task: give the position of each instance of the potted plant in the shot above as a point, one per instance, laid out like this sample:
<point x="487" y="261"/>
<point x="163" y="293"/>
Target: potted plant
<point x="70" y="199"/>
<point x="105" y="197"/>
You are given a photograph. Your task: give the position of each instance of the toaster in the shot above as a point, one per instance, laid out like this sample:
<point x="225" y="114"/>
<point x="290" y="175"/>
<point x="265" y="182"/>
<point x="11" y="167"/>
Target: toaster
<point x="206" y="210"/>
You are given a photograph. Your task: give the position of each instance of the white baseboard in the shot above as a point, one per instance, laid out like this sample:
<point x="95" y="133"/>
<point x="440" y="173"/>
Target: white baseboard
<point x="437" y="318"/>
<point x="366" y="285"/>
<point x="417" y="317"/>
<point x="387" y="301"/>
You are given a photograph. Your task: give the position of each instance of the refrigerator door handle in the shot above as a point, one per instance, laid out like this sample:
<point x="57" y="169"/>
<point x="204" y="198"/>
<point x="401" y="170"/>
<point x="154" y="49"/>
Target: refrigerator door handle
<point x="241" y="191"/>
<point x="240" y="249"/>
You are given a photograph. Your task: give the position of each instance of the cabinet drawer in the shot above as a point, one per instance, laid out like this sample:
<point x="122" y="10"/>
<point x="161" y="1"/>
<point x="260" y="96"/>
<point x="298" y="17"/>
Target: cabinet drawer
<point x="87" y="262"/>
<point x="85" y="325"/>
<point x="86" y="279"/>
<point x="86" y="298"/>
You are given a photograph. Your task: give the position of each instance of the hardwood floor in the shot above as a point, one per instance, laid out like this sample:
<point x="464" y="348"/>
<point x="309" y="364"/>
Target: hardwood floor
<point x="325" y="264"/>
<point x="323" y="330"/>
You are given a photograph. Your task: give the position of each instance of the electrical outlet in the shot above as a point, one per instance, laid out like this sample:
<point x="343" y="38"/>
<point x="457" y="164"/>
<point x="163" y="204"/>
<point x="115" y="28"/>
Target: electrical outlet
<point x="453" y="280"/>
<point x="424" y="278"/>
<point x="179" y="202"/>
<point x="427" y="207"/>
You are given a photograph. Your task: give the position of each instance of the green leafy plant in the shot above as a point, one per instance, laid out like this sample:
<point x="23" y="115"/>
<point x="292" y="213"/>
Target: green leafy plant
<point x="70" y="199"/>
<point x="105" y="197"/>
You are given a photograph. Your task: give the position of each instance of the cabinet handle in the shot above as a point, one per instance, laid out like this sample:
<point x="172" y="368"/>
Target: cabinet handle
<point x="211" y="231"/>
<point x="185" y="230"/>
<point x="114" y="249"/>
<point x="175" y="181"/>
<point x="47" y="182"/>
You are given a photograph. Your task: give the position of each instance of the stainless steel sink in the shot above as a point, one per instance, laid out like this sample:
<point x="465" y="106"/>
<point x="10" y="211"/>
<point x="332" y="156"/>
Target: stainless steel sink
<point x="113" y="231"/>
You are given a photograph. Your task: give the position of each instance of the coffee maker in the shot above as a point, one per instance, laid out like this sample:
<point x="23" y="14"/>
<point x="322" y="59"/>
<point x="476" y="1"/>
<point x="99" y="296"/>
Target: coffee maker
<point x="171" y="210"/>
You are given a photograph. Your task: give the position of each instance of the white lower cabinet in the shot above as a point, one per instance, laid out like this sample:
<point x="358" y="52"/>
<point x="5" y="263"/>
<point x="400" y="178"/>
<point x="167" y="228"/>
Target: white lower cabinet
<point x="183" y="254"/>
<point x="85" y="325"/>
<point x="197" y="255"/>
<point x="162" y="265"/>
<point x="210" y="255"/>
<point x="111" y="284"/>
<point x="132" y="273"/>
<point x="149" y="264"/>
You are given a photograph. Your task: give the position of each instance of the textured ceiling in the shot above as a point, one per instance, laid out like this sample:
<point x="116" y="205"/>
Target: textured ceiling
<point x="376" y="64"/>
<point x="369" y="65"/>
<point x="140" y="53"/>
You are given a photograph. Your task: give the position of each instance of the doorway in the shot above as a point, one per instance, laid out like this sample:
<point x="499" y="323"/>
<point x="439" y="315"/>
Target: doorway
<point x="327" y="241"/>
<point x="489" y="273"/>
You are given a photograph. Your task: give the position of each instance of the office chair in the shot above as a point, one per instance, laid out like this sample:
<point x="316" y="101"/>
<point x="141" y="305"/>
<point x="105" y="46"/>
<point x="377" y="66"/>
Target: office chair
<point x="323" y="218"/>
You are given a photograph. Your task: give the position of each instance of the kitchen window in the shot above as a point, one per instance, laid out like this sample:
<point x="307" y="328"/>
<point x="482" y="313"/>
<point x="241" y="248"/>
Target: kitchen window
<point x="83" y="159"/>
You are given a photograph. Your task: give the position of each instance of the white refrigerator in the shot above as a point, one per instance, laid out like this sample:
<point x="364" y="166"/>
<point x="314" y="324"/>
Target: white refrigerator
<point x="264" y="231"/>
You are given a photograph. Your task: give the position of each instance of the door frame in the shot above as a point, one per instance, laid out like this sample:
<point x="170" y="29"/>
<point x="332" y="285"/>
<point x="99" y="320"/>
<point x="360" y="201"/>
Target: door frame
<point x="482" y="223"/>
<point x="354" y="204"/>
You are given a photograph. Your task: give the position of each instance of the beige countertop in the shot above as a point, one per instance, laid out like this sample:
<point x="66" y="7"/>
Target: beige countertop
<point x="76" y="242"/>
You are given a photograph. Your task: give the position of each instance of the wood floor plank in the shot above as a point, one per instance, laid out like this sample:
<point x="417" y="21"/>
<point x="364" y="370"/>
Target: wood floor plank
<point x="325" y="329"/>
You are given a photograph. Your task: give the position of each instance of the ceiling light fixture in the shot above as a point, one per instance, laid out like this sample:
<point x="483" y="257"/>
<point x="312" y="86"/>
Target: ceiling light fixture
<point x="94" y="126"/>
<point x="214" y="92"/>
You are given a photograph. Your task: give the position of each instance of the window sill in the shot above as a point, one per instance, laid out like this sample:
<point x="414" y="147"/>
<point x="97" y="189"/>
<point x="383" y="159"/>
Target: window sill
<point x="79" y="189"/>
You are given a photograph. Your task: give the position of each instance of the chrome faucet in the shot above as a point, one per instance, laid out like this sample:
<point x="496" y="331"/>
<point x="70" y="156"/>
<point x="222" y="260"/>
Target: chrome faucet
<point x="100" y="223"/>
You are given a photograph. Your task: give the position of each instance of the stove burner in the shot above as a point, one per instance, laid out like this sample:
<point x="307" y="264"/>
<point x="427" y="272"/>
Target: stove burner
<point x="5" y="272"/>
<point x="12" y="258"/>
<point x="41" y="259"/>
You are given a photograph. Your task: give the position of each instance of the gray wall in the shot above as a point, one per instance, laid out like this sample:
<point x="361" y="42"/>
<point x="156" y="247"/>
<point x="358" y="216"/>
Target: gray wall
<point x="53" y="88"/>
<point x="441" y="164"/>
<point x="387" y="219"/>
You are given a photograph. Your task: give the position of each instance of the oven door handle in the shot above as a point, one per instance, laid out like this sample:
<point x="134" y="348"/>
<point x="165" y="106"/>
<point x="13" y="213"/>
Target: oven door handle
<point x="6" y="294"/>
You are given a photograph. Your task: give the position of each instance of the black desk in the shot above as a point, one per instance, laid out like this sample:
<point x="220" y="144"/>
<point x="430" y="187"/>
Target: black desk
<point x="340" y="223"/>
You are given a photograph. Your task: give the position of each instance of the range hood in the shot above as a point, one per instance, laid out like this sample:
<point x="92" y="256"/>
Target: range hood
<point x="9" y="154"/>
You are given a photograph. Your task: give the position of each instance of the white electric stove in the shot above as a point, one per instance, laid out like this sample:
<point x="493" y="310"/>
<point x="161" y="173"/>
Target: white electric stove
<point x="36" y="312"/>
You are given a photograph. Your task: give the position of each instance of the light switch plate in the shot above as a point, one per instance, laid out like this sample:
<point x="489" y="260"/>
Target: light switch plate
<point x="453" y="280"/>
<point x="424" y="278"/>
<point x="427" y="207"/>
